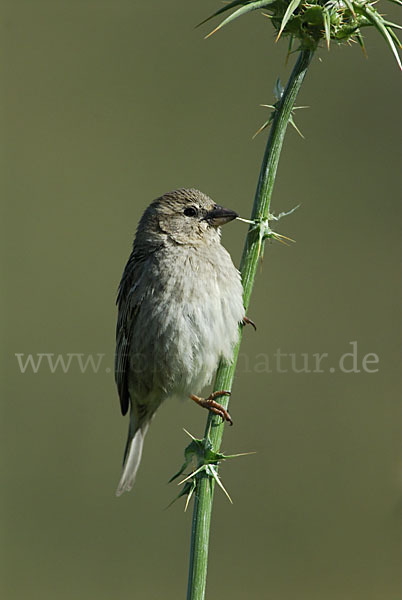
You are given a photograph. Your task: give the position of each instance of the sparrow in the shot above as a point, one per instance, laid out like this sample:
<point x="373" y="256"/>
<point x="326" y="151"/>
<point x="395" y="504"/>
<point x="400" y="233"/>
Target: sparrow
<point x="180" y="303"/>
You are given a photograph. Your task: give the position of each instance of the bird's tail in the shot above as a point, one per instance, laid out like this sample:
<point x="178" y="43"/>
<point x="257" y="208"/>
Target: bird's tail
<point x="132" y="458"/>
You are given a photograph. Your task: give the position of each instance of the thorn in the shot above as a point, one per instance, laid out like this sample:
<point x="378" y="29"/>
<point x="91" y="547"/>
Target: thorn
<point x="189" y="434"/>
<point x="278" y="239"/>
<point x="212" y="32"/>
<point x="244" y="221"/>
<point x="191" y="475"/>
<point x="296" y="127"/>
<point x="279" y="235"/>
<point x="240" y="454"/>
<point x="260" y="130"/>
<point x="188" y="499"/>
<point x="219" y="482"/>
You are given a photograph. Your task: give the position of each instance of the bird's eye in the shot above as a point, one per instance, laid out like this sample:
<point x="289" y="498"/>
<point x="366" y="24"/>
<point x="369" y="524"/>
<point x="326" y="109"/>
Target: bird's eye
<point x="190" y="211"/>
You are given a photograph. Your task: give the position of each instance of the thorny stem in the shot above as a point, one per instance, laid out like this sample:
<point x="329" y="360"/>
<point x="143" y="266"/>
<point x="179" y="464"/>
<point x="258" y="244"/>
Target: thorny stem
<point x="225" y="374"/>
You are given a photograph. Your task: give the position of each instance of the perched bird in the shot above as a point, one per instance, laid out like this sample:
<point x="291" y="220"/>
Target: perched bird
<point x="179" y="308"/>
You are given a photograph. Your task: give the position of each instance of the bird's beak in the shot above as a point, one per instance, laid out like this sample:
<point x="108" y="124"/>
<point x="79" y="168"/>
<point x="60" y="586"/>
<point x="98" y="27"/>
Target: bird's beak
<point x="219" y="216"/>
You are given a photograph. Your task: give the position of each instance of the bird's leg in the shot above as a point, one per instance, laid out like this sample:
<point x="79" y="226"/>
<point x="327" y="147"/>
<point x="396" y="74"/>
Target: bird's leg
<point x="247" y="321"/>
<point x="210" y="404"/>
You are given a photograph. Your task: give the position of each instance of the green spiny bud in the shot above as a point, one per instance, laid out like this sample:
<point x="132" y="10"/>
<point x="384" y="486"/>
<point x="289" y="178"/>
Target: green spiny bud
<point x="314" y="21"/>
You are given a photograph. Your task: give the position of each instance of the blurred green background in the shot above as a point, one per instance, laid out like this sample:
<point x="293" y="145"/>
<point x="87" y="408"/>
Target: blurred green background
<point x="106" y="105"/>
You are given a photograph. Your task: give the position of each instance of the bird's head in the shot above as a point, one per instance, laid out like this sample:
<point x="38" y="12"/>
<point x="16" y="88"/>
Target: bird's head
<point x="186" y="216"/>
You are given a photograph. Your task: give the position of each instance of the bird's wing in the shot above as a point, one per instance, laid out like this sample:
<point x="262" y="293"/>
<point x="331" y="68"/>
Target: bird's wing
<point x="128" y="302"/>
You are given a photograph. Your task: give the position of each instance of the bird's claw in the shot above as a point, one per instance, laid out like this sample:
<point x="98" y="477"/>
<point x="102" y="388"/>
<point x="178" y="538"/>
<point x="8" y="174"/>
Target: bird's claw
<point x="216" y="408"/>
<point x="247" y="321"/>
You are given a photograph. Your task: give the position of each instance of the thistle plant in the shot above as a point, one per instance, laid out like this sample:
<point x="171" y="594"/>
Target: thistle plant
<point x="307" y="25"/>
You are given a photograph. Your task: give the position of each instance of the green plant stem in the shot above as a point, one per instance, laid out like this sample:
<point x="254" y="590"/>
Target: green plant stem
<point x="225" y="374"/>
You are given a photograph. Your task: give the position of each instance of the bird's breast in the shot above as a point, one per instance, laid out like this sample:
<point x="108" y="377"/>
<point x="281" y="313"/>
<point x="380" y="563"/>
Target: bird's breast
<point x="192" y="309"/>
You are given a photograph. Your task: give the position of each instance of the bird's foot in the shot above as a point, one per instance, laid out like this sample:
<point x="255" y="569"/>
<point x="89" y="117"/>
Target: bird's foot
<point x="247" y="321"/>
<point x="210" y="404"/>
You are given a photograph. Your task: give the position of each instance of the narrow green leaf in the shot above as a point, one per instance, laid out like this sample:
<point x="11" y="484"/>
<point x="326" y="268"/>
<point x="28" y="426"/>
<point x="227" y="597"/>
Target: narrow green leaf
<point x="350" y="7"/>
<point x="378" y="23"/>
<point x="395" y="38"/>
<point x="396" y="2"/>
<point x="224" y="9"/>
<point x="285" y="213"/>
<point x="327" y="25"/>
<point x="289" y="12"/>
<point x="289" y="52"/>
<point x="360" y="41"/>
<point x="389" y="24"/>
<point x="242" y="11"/>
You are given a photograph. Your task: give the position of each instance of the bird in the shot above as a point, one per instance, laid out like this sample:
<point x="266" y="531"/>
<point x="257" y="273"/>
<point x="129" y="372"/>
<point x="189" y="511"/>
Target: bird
<point x="180" y="304"/>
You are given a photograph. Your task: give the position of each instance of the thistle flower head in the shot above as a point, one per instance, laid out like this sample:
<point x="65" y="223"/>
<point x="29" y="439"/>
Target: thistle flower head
<point x="311" y="21"/>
